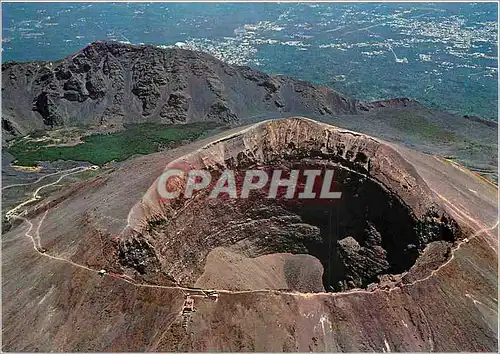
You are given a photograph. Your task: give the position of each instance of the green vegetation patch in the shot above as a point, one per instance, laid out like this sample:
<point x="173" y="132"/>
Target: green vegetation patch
<point x="99" y="149"/>
<point x="418" y="125"/>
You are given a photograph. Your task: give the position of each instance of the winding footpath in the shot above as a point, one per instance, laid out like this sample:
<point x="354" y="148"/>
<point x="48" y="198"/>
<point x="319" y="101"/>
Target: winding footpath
<point x="12" y="212"/>
<point x="40" y="179"/>
<point x="36" y="241"/>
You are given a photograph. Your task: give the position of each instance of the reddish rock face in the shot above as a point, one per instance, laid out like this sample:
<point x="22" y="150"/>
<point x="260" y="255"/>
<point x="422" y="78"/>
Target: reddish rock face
<point x="385" y="218"/>
<point x="406" y="260"/>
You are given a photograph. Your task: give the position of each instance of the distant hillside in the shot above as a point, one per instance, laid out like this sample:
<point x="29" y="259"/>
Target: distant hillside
<point x="109" y="83"/>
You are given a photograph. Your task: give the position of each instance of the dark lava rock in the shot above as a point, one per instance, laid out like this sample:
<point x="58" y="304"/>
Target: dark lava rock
<point x="112" y="84"/>
<point x="138" y="254"/>
<point x="127" y="83"/>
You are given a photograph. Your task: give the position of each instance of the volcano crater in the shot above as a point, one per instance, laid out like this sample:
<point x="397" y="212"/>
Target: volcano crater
<point x="372" y="235"/>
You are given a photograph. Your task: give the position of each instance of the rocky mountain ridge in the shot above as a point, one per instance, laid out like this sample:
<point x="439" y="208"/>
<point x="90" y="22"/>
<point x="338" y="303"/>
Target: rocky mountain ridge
<point x="111" y="84"/>
<point x="107" y="85"/>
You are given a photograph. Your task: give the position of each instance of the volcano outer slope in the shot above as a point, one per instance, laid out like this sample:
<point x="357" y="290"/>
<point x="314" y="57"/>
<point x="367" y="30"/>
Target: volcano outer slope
<point x="62" y="304"/>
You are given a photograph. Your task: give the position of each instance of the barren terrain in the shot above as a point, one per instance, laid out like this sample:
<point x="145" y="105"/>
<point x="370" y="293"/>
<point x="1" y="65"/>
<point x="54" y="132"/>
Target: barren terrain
<point x="198" y="277"/>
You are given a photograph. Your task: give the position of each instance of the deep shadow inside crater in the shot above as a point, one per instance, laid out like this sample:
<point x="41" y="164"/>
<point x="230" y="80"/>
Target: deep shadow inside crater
<point x="367" y="234"/>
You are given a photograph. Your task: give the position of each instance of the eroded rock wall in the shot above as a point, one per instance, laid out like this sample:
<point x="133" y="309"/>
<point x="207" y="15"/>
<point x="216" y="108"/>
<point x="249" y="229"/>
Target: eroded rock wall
<point x="383" y="221"/>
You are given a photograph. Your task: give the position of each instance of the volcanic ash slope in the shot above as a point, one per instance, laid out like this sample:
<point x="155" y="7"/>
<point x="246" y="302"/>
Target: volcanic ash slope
<point x="406" y="260"/>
